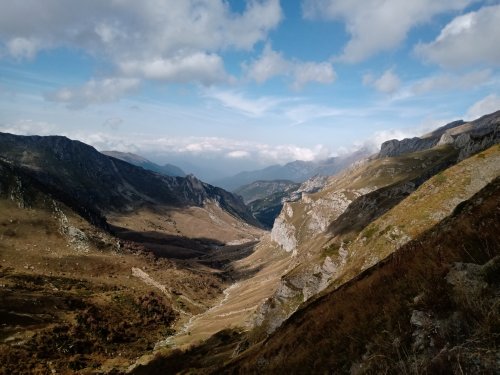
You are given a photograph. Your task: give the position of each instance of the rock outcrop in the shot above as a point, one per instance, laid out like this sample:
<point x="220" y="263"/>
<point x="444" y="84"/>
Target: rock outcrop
<point x="466" y="137"/>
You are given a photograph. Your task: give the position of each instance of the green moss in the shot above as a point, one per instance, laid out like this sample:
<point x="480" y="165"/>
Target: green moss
<point x="440" y="179"/>
<point x="370" y="231"/>
<point x="331" y="250"/>
<point x="386" y="229"/>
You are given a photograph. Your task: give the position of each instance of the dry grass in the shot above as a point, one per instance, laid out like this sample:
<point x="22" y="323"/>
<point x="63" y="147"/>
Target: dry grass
<point x="364" y="326"/>
<point x="65" y="306"/>
<point x="427" y="206"/>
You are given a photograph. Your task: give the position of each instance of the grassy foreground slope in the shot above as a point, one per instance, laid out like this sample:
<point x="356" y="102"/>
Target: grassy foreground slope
<point x="430" y="307"/>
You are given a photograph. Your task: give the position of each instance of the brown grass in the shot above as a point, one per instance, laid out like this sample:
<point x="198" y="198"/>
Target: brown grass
<point x="367" y="321"/>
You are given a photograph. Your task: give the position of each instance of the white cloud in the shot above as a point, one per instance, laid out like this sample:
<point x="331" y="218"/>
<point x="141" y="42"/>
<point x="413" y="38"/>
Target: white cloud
<point x="286" y="153"/>
<point x="387" y="83"/>
<point x="272" y="64"/>
<point x="250" y="107"/>
<point x="305" y="72"/>
<point x="295" y="109"/>
<point x="487" y="105"/>
<point x="376" y="25"/>
<point x="175" y="41"/>
<point x="468" y="39"/>
<point x="303" y="113"/>
<point x="196" y="67"/>
<point x="451" y="81"/>
<point x="23" y="48"/>
<point x="238" y="154"/>
<point x="94" y="92"/>
<point x="28" y="127"/>
<point x="213" y="147"/>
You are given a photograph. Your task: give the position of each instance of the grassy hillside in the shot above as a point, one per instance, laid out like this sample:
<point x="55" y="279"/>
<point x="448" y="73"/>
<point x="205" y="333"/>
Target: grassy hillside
<point x="430" y="307"/>
<point x="73" y="297"/>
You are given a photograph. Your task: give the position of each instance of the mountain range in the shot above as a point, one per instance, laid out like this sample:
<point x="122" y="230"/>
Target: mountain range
<point x="91" y="179"/>
<point x="166" y="169"/>
<point x="296" y="171"/>
<point x="388" y="265"/>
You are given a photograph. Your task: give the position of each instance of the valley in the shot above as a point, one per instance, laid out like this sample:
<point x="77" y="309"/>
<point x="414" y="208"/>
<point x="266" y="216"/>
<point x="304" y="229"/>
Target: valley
<point x="219" y="187"/>
<point x="106" y="267"/>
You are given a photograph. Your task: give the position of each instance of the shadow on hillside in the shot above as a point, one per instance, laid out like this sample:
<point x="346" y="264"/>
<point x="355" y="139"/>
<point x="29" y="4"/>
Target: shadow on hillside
<point x="168" y="246"/>
<point x="201" y="251"/>
<point x="224" y="258"/>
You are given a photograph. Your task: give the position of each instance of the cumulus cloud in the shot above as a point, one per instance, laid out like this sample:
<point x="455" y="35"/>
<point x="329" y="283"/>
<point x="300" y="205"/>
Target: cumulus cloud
<point x="489" y="104"/>
<point x="375" y="25"/>
<point x="174" y="41"/>
<point x="196" y="67"/>
<point x="305" y="72"/>
<point x="468" y="39"/>
<point x="272" y="64"/>
<point x="387" y="83"/>
<point x="94" y="92"/>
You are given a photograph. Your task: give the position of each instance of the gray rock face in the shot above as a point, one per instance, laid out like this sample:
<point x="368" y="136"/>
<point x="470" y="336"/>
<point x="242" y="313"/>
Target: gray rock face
<point x="283" y="232"/>
<point x="309" y="186"/>
<point x="445" y="139"/>
<point x="395" y="148"/>
<point x="469" y="138"/>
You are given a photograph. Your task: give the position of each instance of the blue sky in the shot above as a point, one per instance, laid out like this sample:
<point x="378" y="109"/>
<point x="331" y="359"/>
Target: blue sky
<point x="233" y="85"/>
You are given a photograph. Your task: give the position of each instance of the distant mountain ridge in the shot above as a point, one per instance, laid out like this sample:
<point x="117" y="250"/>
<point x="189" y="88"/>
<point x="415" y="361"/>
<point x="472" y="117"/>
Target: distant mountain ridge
<point x="296" y="171"/>
<point x="166" y="169"/>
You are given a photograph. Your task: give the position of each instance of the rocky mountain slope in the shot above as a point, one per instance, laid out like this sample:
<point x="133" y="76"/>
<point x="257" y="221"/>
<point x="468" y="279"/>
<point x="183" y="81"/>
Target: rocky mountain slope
<point x="468" y="137"/>
<point x="296" y="171"/>
<point x="267" y="208"/>
<point x="166" y="169"/>
<point x="85" y="179"/>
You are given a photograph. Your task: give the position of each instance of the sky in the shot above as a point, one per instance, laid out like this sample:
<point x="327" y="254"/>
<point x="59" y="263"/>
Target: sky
<point x="228" y="85"/>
